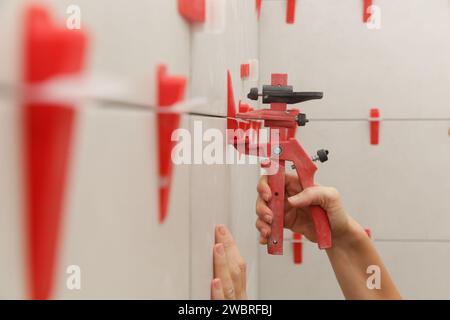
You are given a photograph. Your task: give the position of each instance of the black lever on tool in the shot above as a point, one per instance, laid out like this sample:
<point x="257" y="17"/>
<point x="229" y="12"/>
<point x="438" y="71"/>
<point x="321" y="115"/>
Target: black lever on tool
<point x="283" y="94"/>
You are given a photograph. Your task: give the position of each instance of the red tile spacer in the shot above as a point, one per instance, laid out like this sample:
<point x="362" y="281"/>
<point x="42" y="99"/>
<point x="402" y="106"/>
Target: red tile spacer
<point x="243" y="108"/>
<point x="58" y="50"/>
<point x="256" y="126"/>
<point x="192" y="10"/>
<point x="245" y="70"/>
<point x="47" y="133"/>
<point x="245" y="126"/>
<point x="290" y="11"/>
<point x="170" y="90"/>
<point x="231" y="104"/>
<point x="374" y="126"/>
<point x="297" y="247"/>
<point x="368" y="232"/>
<point x="258" y="8"/>
<point x="366" y="5"/>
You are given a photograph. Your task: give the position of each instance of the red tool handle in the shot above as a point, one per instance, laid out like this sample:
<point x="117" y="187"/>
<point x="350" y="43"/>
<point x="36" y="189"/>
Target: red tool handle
<point x="305" y="170"/>
<point x="322" y="226"/>
<point x="276" y="204"/>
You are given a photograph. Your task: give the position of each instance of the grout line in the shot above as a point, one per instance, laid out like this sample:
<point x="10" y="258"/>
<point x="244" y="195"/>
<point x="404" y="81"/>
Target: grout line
<point x="206" y="115"/>
<point x="413" y="240"/>
<point x="381" y="120"/>
<point x="385" y="240"/>
<point x="190" y="244"/>
<point x="118" y="104"/>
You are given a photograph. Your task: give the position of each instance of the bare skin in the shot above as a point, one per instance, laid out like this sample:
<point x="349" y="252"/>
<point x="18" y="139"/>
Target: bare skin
<point x="352" y="252"/>
<point x="230" y="280"/>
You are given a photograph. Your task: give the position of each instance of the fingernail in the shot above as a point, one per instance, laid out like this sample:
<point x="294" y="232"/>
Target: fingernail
<point x="222" y="230"/>
<point x="268" y="218"/>
<point x="219" y="250"/>
<point x="216" y="284"/>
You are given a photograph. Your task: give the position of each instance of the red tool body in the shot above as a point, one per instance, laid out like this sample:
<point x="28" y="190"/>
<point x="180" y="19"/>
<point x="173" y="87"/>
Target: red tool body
<point x="287" y="148"/>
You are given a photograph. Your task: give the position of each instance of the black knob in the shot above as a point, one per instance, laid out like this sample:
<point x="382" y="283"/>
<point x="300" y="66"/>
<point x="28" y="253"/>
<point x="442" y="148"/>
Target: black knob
<point x="254" y="94"/>
<point x="322" y="155"/>
<point x="302" y="120"/>
<point x="282" y="94"/>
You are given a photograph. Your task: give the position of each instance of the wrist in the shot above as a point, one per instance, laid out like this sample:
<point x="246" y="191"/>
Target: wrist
<point x="351" y="237"/>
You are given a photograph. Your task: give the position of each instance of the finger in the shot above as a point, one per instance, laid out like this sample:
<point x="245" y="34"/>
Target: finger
<point x="317" y="195"/>
<point x="292" y="184"/>
<point x="264" y="189"/>
<point x="222" y="272"/>
<point x="263" y="211"/>
<point x="217" y="290"/>
<point x="224" y="236"/>
<point x="263" y="240"/>
<point x="263" y="228"/>
<point x="236" y="263"/>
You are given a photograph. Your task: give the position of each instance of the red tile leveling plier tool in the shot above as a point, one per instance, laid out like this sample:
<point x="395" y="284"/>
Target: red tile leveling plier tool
<point x="287" y="148"/>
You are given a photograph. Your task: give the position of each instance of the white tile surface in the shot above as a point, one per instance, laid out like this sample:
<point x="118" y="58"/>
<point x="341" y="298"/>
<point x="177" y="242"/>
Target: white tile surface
<point x="111" y="228"/>
<point x="418" y="269"/>
<point x="243" y="181"/>
<point x="12" y="237"/>
<point x="280" y="278"/>
<point x="215" y="53"/>
<point x="126" y="42"/>
<point x="402" y="68"/>
<point x="399" y="188"/>
<point x="209" y="193"/>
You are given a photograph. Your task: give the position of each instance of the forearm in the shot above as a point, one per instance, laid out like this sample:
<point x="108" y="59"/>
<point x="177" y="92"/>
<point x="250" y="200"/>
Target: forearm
<point x="350" y="257"/>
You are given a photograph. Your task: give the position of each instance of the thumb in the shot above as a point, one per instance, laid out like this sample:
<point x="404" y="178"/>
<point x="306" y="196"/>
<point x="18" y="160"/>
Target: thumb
<point x="311" y="196"/>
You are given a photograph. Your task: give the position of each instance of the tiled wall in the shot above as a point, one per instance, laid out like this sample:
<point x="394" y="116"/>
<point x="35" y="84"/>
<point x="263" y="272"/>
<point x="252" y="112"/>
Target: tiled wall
<point x="110" y="223"/>
<point x="399" y="189"/>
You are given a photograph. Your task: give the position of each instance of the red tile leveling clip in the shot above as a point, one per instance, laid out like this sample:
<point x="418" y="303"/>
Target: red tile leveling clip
<point x="50" y="50"/>
<point x="287" y="148"/>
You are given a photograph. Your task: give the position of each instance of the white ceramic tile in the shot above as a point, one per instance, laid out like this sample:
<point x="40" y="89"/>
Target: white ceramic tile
<point x="12" y="236"/>
<point x="399" y="188"/>
<point x="111" y="228"/>
<point x="243" y="181"/>
<point x="402" y="68"/>
<point x="126" y="42"/>
<point x="221" y="194"/>
<point x="215" y="53"/>
<point x="210" y="206"/>
<point x="280" y="278"/>
<point x="419" y="270"/>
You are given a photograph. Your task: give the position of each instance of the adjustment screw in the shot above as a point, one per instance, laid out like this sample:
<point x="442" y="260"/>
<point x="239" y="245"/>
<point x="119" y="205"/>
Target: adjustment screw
<point x="302" y="120"/>
<point x="254" y="94"/>
<point x="277" y="151"/>
<point x="322" y="156"/>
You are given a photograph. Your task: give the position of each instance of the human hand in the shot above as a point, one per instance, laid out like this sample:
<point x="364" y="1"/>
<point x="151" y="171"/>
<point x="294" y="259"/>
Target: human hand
<point x="297" y="202"/>
<point x="229" y="281"/>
